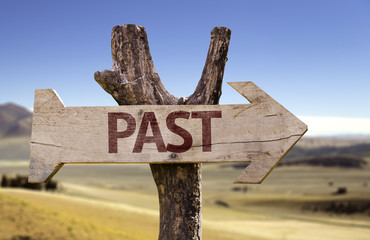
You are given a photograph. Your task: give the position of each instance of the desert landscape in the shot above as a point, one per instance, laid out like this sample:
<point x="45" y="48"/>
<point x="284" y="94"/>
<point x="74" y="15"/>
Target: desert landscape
<point x="321" y="190"/>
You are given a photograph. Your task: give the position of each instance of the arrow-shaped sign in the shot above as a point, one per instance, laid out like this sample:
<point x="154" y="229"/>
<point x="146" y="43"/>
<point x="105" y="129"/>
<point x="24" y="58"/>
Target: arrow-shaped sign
<point x="261" y="133"/>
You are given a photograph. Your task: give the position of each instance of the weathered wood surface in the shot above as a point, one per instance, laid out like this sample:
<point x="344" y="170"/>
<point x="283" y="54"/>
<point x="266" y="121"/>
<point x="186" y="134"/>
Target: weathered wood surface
<point x="134" y="81"/>
<point x="261" y="133"/>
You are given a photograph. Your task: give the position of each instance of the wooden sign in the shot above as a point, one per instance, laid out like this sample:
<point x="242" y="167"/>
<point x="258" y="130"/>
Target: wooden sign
<point x="261" y="133"/>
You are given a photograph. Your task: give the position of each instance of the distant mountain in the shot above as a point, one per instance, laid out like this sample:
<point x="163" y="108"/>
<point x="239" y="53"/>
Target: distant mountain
<point x="327" y="161"/>
<point x="15" y="121"/>
<point x="359" y="150"/>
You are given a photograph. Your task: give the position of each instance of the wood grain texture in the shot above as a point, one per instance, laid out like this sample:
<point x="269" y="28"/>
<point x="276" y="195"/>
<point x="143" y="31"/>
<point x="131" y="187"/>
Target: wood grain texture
<point x="133" y="80"/>
<point x="261" y="133"/>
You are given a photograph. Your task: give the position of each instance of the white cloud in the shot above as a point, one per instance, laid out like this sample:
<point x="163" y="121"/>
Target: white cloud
<point x="325" y="126"/>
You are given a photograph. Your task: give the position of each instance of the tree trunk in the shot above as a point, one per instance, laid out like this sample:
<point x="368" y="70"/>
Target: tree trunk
<point x="133" y="81"/>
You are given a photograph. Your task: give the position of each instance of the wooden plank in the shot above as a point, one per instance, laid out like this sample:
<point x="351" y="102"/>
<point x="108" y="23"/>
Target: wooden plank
<point x="261" y="133"/>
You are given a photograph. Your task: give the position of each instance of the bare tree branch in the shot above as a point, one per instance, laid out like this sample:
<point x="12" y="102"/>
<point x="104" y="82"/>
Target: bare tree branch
<point x="133" y="80"/>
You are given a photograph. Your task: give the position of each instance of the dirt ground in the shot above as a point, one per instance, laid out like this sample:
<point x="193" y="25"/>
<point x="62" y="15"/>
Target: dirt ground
<point x="120" y="202"/>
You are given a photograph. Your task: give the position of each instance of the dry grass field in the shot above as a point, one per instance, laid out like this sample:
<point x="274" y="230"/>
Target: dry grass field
<point x="120" y="202"/>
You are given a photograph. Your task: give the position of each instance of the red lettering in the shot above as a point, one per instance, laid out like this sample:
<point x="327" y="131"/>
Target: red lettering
<point x="206" y="117"/>
<point x="149" y="118"/>
<point x="173" y="127"/>
<point x="113" y="134"/>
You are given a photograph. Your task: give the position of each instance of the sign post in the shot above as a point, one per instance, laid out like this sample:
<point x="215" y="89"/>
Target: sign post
<point x="173" y="134"/>
<point x="260" y="133"/>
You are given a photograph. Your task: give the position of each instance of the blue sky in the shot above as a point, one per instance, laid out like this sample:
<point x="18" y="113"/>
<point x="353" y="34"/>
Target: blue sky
<point x="311" y="56"/>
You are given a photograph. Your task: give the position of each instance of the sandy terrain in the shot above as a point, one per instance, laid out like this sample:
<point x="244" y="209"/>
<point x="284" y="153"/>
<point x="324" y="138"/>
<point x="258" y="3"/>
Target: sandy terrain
<point x="120" y="202"/>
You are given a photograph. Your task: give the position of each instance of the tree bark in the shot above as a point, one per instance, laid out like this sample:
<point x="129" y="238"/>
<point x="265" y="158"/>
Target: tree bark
<point x="133" y="80"/>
